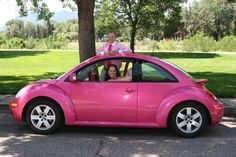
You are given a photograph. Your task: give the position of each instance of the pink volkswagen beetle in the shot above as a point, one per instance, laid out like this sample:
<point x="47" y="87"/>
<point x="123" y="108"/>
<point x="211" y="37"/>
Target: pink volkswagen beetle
<point x="160" y="95"/>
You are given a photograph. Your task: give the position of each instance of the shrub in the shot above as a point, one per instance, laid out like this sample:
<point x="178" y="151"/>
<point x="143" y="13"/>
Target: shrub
<point x="120" y="39"/>
<point x="30" y="43"/>
<point x="14" y="43"/>
<point x="228" y="43"/>
<point x="170" y="45"/>
<point x="73" y="45"/>
<point x="56" y="42"/>
<point x="41" y="44"/>
<point x="2" y="40"/>
<point x="199" y="42"/>
<point x="146" y="45"/>
<point x="152" y="45"/>
<point x="99" y="45"/>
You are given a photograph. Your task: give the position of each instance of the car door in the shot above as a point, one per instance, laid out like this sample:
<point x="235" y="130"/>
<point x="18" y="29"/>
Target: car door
<point x="154" y="83"/>
<point x="103" y="101"/>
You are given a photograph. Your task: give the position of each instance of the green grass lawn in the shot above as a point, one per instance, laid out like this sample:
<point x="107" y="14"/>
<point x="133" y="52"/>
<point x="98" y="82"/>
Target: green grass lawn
<point x="18" y="68"/>
<point x="219" y="69"/>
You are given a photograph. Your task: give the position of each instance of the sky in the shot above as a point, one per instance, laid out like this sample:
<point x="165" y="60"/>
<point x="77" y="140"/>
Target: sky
<point x="9" y="9"/>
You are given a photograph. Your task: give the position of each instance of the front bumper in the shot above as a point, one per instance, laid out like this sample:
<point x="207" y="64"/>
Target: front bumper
<point x="16" y="109"/>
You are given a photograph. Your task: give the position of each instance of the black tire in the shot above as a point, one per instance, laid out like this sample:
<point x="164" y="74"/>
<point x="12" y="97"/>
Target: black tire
<point x="188" y="119"/>
<point x="43" y="116"/>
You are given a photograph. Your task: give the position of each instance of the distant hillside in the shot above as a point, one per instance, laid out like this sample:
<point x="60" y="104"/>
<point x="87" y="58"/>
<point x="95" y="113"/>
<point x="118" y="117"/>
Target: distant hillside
<point x="58" y="16"/>
<point x="1" y="28"/>
<point x="64" y="15"/>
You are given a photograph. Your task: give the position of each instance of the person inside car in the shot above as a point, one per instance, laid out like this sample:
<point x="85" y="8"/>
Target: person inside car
<point x="113" y="74"/>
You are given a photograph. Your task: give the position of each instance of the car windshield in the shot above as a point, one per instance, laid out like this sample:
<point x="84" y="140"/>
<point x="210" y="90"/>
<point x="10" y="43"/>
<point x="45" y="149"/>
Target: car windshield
<point x="69" y="70"/>
<point x="175" y="66"/>
<point x="62" y="75"/>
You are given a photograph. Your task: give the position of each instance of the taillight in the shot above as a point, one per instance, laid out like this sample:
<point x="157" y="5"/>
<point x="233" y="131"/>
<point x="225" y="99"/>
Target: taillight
<point x="201" y="83"/>
<point x="211" y="95"/>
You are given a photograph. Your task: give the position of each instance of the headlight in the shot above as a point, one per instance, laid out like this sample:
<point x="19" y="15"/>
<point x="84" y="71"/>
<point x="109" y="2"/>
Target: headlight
<point x="20" y="93"/>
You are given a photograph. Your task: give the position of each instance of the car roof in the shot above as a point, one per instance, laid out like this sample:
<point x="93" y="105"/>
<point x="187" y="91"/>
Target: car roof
<point x="125" y="55"/>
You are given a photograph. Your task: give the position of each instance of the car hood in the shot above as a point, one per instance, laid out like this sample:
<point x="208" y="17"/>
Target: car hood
<point x="49" y="81"/>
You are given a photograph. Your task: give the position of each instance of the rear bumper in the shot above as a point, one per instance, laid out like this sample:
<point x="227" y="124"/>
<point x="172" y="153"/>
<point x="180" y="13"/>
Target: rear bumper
<point x="218" y="113"/>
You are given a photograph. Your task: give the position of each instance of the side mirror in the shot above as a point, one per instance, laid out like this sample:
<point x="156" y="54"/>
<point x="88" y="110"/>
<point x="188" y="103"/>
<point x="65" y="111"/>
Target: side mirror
<point x="73" y="78"/>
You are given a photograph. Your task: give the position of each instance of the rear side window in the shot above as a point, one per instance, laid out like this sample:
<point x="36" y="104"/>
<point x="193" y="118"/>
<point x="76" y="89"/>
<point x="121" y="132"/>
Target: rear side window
<point x="178" y="68"/>
<point x="153" y="73"/>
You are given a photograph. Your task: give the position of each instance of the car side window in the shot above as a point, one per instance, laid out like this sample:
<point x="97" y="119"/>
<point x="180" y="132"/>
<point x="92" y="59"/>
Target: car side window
<point x="90" y="73"/>
<point x="154" y="73"/>
<point x="97" y="71"/>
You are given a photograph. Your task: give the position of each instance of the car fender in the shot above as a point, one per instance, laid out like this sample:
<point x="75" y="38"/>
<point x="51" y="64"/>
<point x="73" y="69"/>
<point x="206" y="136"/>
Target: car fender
<point x="176" y="97"/>
<point x="51" y="91"/>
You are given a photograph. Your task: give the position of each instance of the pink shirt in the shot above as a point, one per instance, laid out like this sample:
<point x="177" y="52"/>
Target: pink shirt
<point x="115" y="46"/>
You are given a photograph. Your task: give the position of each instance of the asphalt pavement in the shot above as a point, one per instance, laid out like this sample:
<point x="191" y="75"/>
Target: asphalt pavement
<point x="229" y="104"/>
<point x="18" y="140"/>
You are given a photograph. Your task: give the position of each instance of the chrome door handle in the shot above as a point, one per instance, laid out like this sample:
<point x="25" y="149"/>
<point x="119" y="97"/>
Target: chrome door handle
<point x="130" y="90"/>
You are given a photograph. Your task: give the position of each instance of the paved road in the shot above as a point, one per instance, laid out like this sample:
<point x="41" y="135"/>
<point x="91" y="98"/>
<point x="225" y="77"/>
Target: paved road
<point x="16" y="139"/>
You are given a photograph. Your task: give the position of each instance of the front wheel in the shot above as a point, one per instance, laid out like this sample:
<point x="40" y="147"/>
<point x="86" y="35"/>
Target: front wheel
<point x="188" y="119"/>
<point x="43" y="116"/>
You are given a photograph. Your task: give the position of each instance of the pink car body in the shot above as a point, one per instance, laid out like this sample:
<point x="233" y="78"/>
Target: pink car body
<point x="126" y="104"/>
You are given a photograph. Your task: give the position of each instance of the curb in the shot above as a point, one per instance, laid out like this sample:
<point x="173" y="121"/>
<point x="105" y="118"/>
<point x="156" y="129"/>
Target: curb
<point x="229" y="106"/>
<point x="229" y="111"/>
<point x="5" y="99"/>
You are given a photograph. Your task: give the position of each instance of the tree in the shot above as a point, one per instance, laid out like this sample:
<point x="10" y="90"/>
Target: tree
<point x="105" y="19"/>
<point x="2" y="39"/>
<point x="144" y="14"/>
<point x="14" y="28"/>
<point x="86" y="28"/>
<point x="69" y="29"/>
<point x="85" y="10"/>
<point x="213" y="17"/>
<point x="41" y="31"/>
<point x="30" y="30"/>
<point x="172" y="22"/>
<point x="39" y="7"/>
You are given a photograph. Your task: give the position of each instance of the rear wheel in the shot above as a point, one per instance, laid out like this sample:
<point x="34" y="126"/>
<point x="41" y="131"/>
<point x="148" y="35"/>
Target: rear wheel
<point x="188" y="119"/>
<point x="43" y="116"/>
